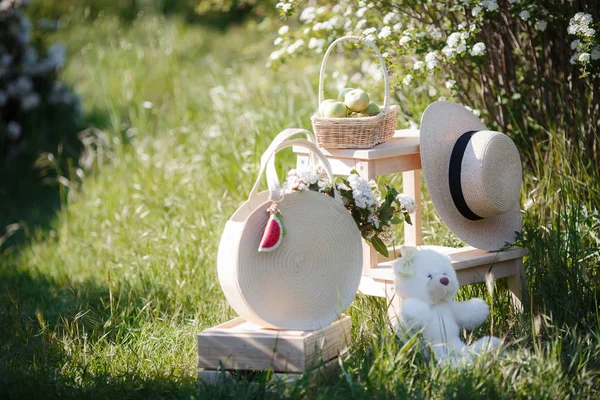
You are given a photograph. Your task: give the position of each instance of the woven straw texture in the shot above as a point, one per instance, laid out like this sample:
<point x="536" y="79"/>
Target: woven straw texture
<point x="312" y="277"/>
<point x="349" y="133"/>
<point x="491" y="176"/>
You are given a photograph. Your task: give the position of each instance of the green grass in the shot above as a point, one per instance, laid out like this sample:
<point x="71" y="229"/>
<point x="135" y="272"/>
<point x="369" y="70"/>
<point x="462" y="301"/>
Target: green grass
<point x="105" y="299"/>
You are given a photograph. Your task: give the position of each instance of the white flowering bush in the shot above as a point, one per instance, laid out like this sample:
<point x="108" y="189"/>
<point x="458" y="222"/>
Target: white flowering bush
<point x="373" y="213"/>
<point x="32" y="101"/>
<point x="530" y="66"/>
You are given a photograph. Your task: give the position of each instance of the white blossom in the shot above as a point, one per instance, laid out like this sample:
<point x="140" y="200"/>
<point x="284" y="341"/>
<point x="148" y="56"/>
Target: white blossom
<point x="308" y="15"/>
<point x="57" y="54"/>
<point x="322" y="10"/>
<point x="589" y="32"/>
<point x="573" y="58"/>
<point x="524" y="15"/>
<point x="278" y="41"/>
<point x="403" y="40"/>
<point x="369" y="31"/>
<point x="283" y="30"/>
<point x="595" y="53"/>
<point x="490" y="5"/>
<point x="295" y="46"/>
<point x="361" y="12"/>
<point x="583" y="57"/>
<point x="407" y="202"/>
<point x="385" y="32"/>
<point x="397" y="27"/>
<point x="434" y="32"/>
<point x="574" y="44"/>
<point x="276" y="54"/>
<point x="580" y="24"/>
<point x="418" y="65"/>
<point x="338" y="9"/>
<point x="461" y="48"/>
<point x="389" y="17"/>
<point x="361" y="24"/>
<point x="30" y="101"/>
<point x="541" y="25"/>
<point x="431" y="60"/>
<point x="285" y="7"/>
<point x="475" y="11"/>
<point x="362" y="192"/>
<point x="407" y="79"/>
<point x="372" y="219"/>
<point x="450" y="83"/>
<point x="14" y="130"/>
<point x="453" y="39"/>
<point x="478" y="49"/>
<point x="448" y="51"/>
<point x="315" y="43"/>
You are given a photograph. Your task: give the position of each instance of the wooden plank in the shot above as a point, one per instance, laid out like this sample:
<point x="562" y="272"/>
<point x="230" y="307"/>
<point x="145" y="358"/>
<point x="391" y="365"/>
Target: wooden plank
<point x="517" y="284"/>
<point x="478" y="274"/>
<point x="239" y="345"/>
<point x="324" y="370"/>
<point x="371" y="287"/>
<point x="392" y="165"/>
<point x="411" y="186"/>
<point x="403" y="142"/>
<point x="382" y="287"/>
<point x="323" y="346"/>
<point x="463" y="258"/>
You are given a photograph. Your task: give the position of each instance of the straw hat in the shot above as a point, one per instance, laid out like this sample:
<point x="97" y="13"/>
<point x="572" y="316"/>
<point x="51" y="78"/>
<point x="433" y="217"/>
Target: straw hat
<point x="473" y="176"/>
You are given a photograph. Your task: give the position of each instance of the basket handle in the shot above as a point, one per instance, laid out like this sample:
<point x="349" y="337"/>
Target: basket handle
<point x="273" y="180"/>
<point x="386" y="99"/>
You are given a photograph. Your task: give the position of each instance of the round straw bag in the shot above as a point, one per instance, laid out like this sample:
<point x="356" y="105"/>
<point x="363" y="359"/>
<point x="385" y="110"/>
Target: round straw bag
<point x="313" y="275"/>
<point x="352" y="133"/>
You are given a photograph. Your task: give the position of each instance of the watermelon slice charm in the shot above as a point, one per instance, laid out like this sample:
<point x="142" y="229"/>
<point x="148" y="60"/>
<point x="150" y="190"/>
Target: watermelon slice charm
<point x="273" y="233"/>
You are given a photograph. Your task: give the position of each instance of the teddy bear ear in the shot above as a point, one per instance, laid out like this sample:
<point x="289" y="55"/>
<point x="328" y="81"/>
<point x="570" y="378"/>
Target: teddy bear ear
<point x="404" y="265"/>
<point x="407" y="250"/>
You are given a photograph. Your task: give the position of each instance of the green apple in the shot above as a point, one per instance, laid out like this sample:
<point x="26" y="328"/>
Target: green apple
<point x="322" y="105"/>
<point x="343" y="93"/>
<point x="372" y="110"/>
<point x="335" y="109"/>
<point x="357" y="100"/>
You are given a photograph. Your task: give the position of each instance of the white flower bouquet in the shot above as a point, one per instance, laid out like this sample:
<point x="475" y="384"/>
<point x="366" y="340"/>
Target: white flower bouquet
<point x="373" y="212"/>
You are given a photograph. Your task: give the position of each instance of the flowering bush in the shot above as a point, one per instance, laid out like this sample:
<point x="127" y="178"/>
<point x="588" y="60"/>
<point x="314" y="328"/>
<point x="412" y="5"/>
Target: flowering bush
<point x="27" y="80"/>
<point x="374" y="214"/>
<point x="531" y="66"/>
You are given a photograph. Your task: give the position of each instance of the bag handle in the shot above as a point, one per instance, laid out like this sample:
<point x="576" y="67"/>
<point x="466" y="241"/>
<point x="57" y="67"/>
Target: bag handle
<point x="386" y="99"/>
<point x="269" y="163"/>
<point x="283" y="136"/>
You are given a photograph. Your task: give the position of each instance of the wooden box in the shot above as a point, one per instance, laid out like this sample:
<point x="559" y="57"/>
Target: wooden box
<point x="239" y="345"/>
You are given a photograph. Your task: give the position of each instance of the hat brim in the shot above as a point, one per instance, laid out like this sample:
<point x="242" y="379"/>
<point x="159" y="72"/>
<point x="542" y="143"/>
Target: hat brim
<point x="442" y="124"/>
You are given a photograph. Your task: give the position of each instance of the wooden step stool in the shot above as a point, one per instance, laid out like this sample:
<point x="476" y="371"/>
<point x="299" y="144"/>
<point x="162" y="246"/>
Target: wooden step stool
<point x="238" y="345"/>
<point x="401" y="154"/>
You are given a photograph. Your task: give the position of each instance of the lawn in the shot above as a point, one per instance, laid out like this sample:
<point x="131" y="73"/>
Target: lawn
<point x="103" y="297"/>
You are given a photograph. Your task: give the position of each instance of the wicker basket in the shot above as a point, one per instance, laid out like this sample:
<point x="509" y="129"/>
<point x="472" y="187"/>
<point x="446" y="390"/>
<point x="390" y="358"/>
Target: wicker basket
<point x="355" y="133"/>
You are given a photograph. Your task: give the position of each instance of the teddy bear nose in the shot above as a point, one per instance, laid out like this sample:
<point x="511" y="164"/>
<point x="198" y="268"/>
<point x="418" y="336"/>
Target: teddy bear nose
<point x="444" y="281"/>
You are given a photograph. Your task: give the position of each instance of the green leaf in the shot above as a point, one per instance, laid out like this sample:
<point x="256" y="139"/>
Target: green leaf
<point x="407" y="218"/>
<point x="396" y="220"/>
<point x="379" y="246"/>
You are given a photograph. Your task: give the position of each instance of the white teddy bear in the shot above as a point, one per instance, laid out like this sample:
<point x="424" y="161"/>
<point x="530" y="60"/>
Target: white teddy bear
<point x="425" y="285"/>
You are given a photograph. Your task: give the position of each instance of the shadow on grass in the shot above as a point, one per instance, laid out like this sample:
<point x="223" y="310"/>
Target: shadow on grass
<point x="29" y="194"/>
<point x="41" y="318"/>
